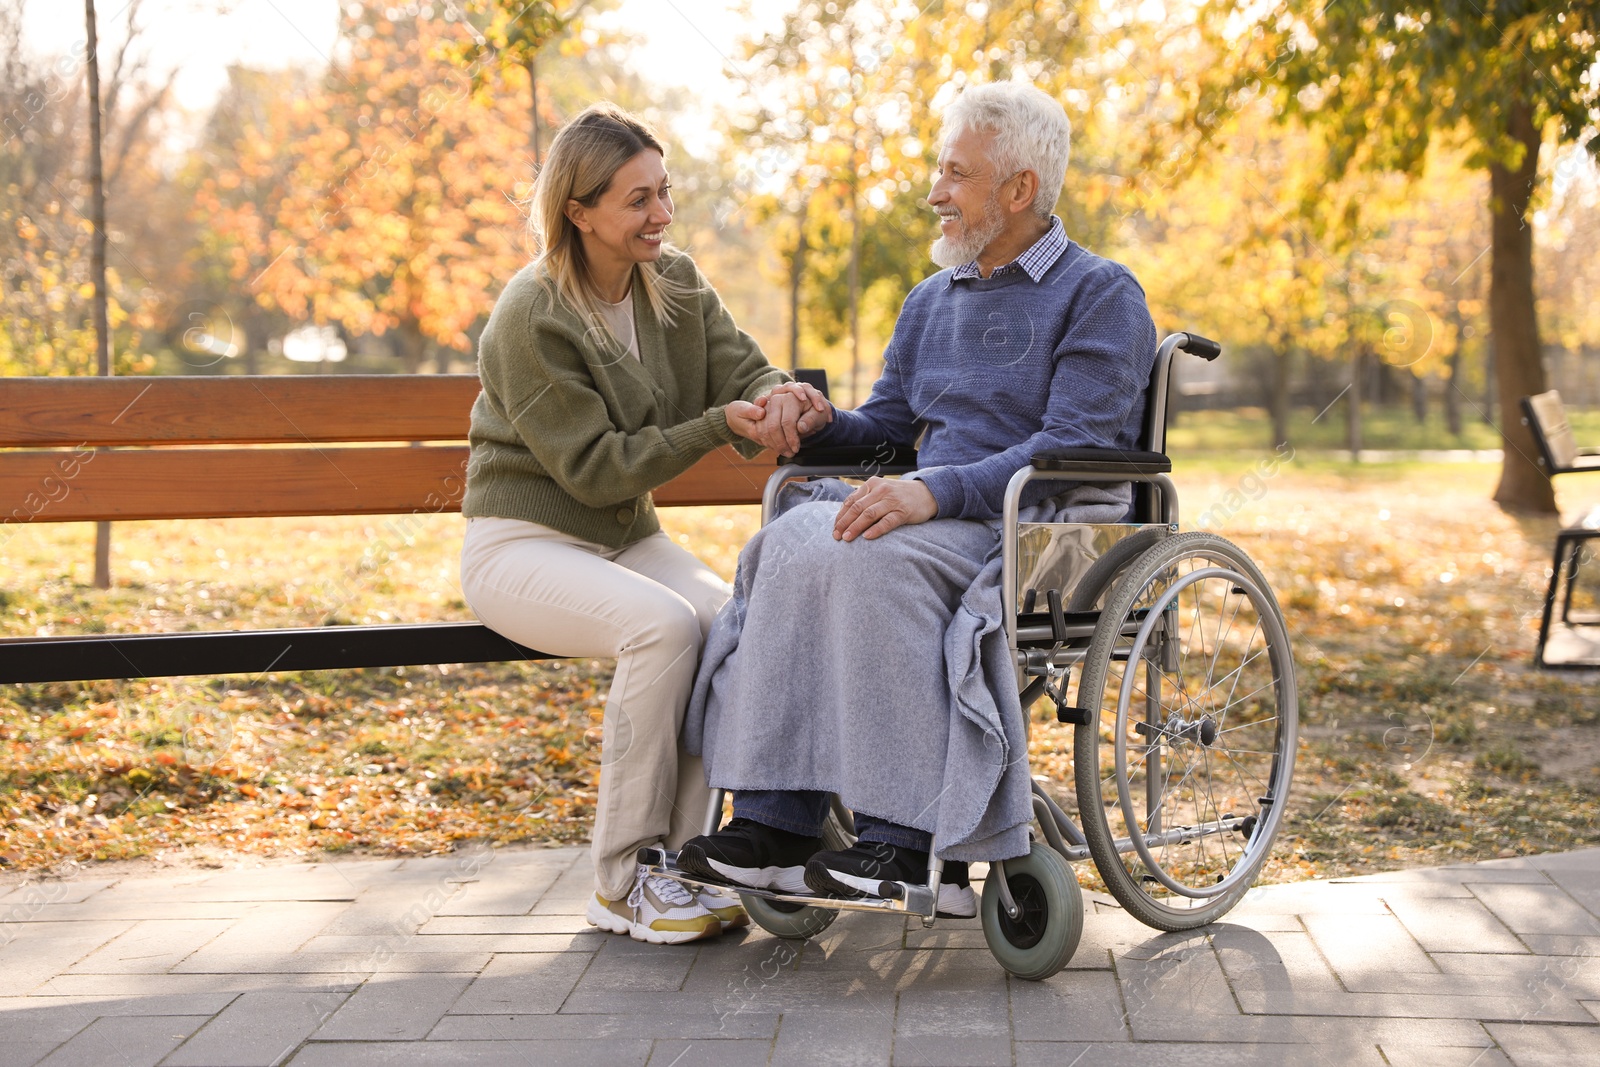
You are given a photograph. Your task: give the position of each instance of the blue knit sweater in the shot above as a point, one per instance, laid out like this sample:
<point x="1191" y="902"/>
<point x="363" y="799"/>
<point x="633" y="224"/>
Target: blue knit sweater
<point x="988" y="371"/>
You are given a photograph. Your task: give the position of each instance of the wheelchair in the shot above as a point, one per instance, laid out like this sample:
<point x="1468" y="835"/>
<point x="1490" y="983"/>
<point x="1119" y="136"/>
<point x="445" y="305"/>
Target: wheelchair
<point x="1165" y="653"/>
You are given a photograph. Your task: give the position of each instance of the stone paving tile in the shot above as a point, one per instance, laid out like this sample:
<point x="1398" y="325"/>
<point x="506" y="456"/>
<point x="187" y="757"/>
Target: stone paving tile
<point x="152" y="946"/>
<point x="529" y="983"/>
<point x="257" y="1029"/>
<point x="1506" y="872"/>
<point x="1539" y="1045"/>
<point x="158" y="985"/>
<point x="207" y="1002"/>
<point x="504" y="895"/>
<point x="569" y="894"/>
<point x="1562" y="944"/>
<point x="1541" y="909"/>
<point x="134" y="1041"/>
<point x="132" y="909"/>
<point x="1343" y="898"/>
<point x="623" y="965"/>
<point x="1400" y="1054"/>
<point x="274" y="927"/>
<point x="458" y="925"/>
<point x="33" y="1026"/>
<point x="614" y="1052"/>
<point x="38" y="951"/>
<point x="1061" y="1053"/>
<point x="674" y="1053"/>
<point x="1360" y="944"/>
<point x="1449" y="925"/>
<point x="59" y="892"/>
<point x="460" y="943"/>
<point x="404" y="1008"/>
<point x="1165" y="992"/>
<point x="1073" y="1006"/>
<point x="729" y="1025"/>
<point x="380" y="958"/>
<point x="939" y="1029"/>
<point x="834" y="1038"/>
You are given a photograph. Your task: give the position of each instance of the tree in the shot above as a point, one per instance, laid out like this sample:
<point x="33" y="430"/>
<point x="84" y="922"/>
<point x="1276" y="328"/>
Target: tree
<point x="399" y="214"/>
<point x="515" y="34"/>
<point x="1384" y="80"/>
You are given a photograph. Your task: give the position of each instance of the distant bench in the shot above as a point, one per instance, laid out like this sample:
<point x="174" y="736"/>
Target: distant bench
<point x="251" y="447"/>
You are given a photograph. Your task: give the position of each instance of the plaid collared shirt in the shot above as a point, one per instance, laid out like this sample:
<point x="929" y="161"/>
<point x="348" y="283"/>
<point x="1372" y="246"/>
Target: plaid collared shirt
<point x="1039" y="257"/>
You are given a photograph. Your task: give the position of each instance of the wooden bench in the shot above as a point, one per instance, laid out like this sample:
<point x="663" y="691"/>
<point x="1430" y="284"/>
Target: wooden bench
<point x="123" y="449"/>
<point x="1575" y="642"/>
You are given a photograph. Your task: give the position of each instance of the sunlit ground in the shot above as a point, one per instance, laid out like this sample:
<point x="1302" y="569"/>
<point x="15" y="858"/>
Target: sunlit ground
<point x="1411" y="599"/>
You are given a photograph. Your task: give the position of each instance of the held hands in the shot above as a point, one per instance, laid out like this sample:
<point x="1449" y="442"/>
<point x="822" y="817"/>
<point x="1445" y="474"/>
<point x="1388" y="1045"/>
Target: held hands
<point x="880" y="505"/>
<point x="781" y="418"/>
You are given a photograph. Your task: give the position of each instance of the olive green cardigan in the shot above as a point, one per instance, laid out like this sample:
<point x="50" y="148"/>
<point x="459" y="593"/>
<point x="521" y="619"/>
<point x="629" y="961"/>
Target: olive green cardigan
<point x="573" y="433"/>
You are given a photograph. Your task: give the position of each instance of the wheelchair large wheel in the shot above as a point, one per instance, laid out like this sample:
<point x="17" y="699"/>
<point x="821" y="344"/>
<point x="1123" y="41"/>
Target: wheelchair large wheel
<point x="1044" y="935"/>
<point x="797" y="922"/>
<point x="1183" y="776"/>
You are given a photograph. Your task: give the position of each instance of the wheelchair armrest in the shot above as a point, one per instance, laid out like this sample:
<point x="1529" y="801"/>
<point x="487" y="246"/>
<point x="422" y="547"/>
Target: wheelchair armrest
<point x="869" y="459"/>
<point x="1102" y="461"/>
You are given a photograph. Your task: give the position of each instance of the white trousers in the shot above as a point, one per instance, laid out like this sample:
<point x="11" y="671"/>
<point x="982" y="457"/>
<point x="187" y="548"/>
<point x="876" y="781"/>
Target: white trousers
<point x="649" y="606"/>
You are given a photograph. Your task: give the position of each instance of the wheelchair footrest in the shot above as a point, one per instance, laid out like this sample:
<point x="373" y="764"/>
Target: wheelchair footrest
<point x="905" y="899"/>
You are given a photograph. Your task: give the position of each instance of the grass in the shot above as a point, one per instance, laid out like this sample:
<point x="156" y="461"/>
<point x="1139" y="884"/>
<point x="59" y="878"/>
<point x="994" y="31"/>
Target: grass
<point x="1412" y="601"/>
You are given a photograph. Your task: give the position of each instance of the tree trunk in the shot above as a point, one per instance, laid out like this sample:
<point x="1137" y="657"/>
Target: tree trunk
<point x="1452" y="388"/>
<point x="797" y="272"/>
<point x="1280" y="398"/>
<point x="533" y="110"/>
<point x="1352" y="399"/>
<point x="855" y="291"/>
<point x="1513" y="323"/>
<point x="1419" y="398"/>
<point x="97" y="267"/>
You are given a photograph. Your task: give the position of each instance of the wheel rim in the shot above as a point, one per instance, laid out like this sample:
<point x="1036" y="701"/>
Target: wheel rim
<point x="1201" y="709"/>
<point x="1033" y="912"/>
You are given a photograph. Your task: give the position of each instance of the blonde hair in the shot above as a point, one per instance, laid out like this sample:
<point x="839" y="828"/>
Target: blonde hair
<point x="585" y="156"/>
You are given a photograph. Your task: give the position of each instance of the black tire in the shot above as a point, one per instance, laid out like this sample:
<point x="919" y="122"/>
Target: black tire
<point x="1041" y="940"/>
<point x="1191" y="756"/>
<point x="798" y="922"/>
<point x="794" y="922"/>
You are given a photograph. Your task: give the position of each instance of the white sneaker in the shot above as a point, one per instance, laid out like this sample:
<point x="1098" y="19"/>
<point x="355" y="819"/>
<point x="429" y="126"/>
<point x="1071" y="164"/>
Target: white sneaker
<point x="658" y="910"/>
<point x="724" y="904"/>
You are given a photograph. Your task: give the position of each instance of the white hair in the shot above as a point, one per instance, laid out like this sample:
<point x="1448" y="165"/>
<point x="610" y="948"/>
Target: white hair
<point x="1031" y="132"/>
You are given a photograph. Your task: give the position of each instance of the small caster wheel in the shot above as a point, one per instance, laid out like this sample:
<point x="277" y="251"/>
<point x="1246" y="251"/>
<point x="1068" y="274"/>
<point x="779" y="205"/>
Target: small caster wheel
<point x="1044" y="935"/>
<point x="793" y="921"/>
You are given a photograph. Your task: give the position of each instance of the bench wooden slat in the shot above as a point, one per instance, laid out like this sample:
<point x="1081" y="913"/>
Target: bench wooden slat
<point x="263" y="409"/>
<point x="228" y="483"/>
<point x="64" y="659"/>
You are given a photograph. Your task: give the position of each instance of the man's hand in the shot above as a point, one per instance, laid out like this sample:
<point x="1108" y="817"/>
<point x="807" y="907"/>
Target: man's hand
<point x="880" y="505"/>
<point x="793" y="410"/>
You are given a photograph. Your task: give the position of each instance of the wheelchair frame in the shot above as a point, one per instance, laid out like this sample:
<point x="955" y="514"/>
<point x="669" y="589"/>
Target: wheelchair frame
<point x="1032" y="907"/>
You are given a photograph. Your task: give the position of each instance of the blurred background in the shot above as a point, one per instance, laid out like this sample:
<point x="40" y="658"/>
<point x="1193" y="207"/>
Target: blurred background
<point x="1387" y="212"/>
<point x="308" y="186"/>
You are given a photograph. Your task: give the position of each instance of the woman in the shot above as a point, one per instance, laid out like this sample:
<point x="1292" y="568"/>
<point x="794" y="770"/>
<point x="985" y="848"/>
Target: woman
<point x="609" y="367"/>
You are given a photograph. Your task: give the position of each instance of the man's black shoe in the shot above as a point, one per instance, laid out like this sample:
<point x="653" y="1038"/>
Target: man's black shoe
<point x="752" y="855"/>
<point x="861" y="870"/>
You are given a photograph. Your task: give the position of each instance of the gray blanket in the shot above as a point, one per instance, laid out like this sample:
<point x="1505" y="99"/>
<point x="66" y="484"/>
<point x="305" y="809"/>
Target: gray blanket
<point x="877" y="670"/>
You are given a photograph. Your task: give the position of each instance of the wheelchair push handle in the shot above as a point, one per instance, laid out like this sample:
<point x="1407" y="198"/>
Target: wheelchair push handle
<point x="1203" y="347"/>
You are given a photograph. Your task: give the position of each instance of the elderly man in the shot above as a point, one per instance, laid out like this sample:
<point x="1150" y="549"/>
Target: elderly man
<point x="896" y="691"/>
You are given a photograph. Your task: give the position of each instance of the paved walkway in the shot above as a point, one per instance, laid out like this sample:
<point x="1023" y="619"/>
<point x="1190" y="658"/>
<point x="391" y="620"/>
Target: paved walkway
<point x="484" y="958"/>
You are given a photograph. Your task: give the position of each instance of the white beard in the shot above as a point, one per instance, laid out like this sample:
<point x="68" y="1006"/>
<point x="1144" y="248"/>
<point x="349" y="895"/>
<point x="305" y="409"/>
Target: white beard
<point x="972" y="239"/>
